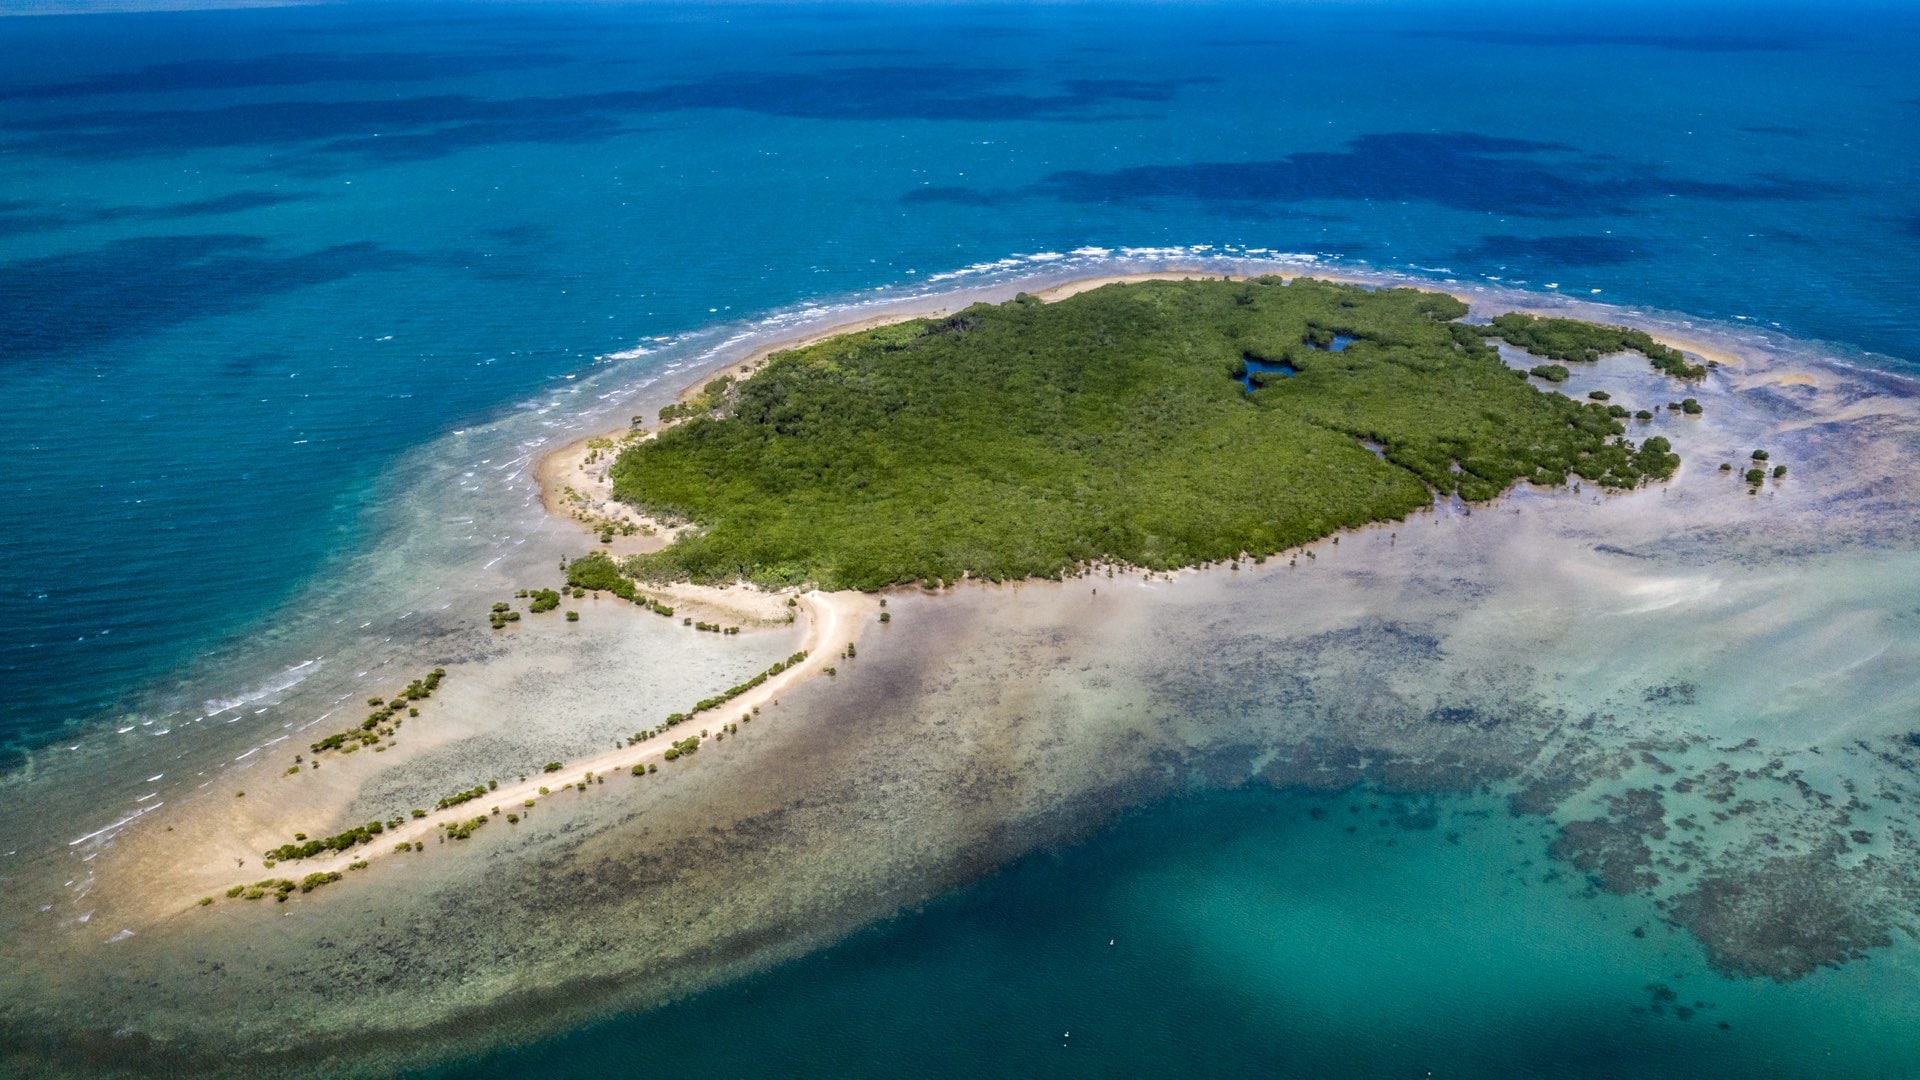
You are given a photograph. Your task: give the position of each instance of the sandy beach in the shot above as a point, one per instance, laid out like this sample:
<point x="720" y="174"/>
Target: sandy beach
<point x="834" y="621"/>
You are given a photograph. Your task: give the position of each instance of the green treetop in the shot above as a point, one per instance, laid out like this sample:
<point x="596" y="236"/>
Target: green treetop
<point x="1027" y="439"/>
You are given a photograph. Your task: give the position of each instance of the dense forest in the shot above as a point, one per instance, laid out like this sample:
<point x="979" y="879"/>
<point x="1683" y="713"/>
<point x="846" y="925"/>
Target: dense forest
<point x="1027" y="439"/>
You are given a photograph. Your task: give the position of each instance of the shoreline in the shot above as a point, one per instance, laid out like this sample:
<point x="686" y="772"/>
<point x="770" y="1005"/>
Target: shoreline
<point x="835" y="620"/>
<point x="553" y="470"/>
<point x="551" y="466"/>
<point x="1051" y="594"/>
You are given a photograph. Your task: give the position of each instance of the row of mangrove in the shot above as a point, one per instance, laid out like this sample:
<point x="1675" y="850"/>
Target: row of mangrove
<point x="385" y="719"/>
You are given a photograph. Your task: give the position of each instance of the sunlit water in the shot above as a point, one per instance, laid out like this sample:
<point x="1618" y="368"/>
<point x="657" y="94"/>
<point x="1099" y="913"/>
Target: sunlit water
<point x="290" y="300"/>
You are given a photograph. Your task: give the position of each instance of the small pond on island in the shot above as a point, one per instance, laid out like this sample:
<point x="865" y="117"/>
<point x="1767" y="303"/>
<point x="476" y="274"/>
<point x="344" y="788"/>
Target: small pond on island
<point x="1254" y="370"/>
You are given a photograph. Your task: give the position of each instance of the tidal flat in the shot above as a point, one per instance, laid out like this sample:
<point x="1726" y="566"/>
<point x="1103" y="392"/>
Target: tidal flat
<point x="1702" y="694"/>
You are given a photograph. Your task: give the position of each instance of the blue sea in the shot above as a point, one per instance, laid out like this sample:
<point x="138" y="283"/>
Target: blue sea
<point x="254" y="263"/>
<point x="1265" y="934"/>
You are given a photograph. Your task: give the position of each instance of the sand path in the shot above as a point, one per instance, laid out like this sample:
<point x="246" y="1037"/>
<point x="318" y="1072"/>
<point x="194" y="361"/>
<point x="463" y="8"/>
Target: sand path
<point x="834" y="620"/>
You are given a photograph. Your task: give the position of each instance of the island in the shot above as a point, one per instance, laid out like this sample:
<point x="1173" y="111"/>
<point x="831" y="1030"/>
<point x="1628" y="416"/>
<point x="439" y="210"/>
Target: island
<point x="1141" y="426"/>
<point x="1152" y="424"/>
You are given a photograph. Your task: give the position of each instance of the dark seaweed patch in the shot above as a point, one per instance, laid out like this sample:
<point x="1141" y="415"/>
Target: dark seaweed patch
<point x="1783" y="919"/>
<point x="1678" y="693"/>
<point x="23" y="217"/>
<point x="283" y="69"/>
<point x="62" y="304"/>
<point x="415" y="128"/>
<point x="1563" y="39"/>
<point x="1459" y="170"/>
<point x="1559" y="250"/>
<point x="1613" y="850"/>
<point x="1461" y="716"/>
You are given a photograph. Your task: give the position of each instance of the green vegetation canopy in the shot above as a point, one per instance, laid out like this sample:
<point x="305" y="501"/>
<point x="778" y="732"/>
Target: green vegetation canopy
<point x="1027" y="439"/>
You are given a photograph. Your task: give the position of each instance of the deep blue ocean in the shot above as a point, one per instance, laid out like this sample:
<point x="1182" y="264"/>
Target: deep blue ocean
<point x="251" y="259"/>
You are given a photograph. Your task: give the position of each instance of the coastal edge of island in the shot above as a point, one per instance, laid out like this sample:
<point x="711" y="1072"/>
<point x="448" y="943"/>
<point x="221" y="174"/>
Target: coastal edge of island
<point x="575" y="488"/>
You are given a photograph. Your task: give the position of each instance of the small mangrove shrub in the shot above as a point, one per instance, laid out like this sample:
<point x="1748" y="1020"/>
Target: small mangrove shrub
<point x="362" y="834"/>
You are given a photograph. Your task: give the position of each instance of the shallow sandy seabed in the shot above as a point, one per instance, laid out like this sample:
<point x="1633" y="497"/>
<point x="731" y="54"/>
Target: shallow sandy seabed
<point x="1707" y="692"/>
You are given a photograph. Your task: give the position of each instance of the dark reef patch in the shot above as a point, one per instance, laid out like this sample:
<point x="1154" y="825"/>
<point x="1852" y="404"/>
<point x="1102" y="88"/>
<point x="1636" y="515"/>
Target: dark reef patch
<point x="1676" y="693"/>
<point x="284" y="69"/>
<point x="1613" y="850"/>
<point x="1337" y="719"/>
<point x="232" y="203"/>
<point x="1223" y="765"/>
<point x="63" y="304"/>
<point x="1387" y="641"/>
<point x="526" y="233"/>
<point x="17" y="220"/>
<point x="1702" y="42"/>
<point x="433" y="125"/>
<point x="1782" y="919"/>
<point x="1664" y="1000"/>
<point x="24" y="217"/>
<point x="958" y="196"/>
<point x="1418" y="813"/>
<point x="1459" y="170"/>
<point x="1599" y="250"/>
<point x="847" y="53"/>
<point x="1468" y="715"/>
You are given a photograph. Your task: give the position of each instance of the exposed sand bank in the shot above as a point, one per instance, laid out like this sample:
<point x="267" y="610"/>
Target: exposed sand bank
<point x="834" y="621"/>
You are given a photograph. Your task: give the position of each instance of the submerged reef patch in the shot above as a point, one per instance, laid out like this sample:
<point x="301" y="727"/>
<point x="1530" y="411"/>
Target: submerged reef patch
<point x="1785" y="918"/>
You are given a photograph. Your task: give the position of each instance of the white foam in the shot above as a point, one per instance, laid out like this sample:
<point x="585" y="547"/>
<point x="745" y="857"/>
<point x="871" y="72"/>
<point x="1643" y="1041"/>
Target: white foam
<point x="278" y="684"/>
<point x="115" y="827"/>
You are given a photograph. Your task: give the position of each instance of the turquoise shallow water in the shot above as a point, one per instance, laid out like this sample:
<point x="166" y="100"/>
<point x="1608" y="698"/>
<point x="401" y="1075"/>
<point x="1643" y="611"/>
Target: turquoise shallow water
<point x="252" y="262"/>
<point x="1268" y="932"/>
